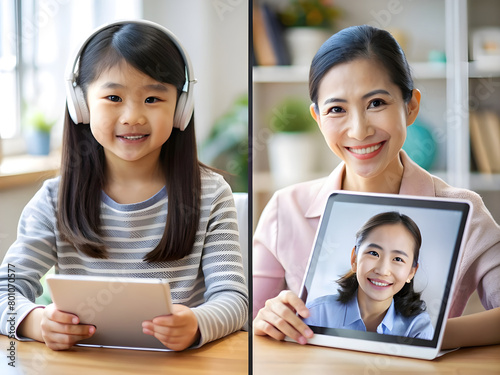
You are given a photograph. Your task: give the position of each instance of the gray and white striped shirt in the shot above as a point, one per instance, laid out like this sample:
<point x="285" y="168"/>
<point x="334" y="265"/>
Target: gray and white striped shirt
<point x="210" y="280"/>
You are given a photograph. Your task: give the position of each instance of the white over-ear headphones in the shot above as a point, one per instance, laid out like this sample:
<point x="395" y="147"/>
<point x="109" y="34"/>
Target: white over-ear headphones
<point x="77" y="107"/>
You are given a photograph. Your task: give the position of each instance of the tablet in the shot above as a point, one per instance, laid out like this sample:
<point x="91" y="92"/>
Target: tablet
<point x="362" y="281"/>
<point x="115" y="306"/>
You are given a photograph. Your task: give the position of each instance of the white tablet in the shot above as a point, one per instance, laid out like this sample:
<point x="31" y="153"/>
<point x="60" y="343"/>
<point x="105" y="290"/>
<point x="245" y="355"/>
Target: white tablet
<point x="362" y="286"/>
<point x="115" y="306"/>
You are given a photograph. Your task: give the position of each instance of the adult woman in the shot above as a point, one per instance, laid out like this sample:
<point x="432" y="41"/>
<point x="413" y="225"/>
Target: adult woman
<point x="363" y="100"/>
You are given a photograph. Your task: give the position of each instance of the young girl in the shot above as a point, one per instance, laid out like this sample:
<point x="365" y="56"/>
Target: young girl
<point x="363" y="99"/>
<point x="377" y="295"/>
<point x="132" y="199"/>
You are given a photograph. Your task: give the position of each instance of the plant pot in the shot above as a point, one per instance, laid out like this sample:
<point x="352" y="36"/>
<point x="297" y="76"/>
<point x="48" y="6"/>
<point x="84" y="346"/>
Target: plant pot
<point x="304" y="42"/>
<point x="38" y="142"/>
<point x="292" y="157"/>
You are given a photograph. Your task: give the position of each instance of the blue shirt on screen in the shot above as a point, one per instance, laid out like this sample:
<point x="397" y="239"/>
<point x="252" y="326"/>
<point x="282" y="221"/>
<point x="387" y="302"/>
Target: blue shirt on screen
<point x="327" y="312"/>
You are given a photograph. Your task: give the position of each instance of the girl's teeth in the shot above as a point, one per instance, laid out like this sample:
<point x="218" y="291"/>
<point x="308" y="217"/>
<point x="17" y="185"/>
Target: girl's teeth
<point x="378" y="284"/>
<point x="367" y="150"/>
<point x="134" y="137"/>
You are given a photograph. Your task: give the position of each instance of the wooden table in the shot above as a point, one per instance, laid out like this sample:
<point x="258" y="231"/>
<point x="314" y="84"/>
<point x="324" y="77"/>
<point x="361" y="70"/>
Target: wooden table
<point x="228" y="355"/>
<point x="277" y="357"/>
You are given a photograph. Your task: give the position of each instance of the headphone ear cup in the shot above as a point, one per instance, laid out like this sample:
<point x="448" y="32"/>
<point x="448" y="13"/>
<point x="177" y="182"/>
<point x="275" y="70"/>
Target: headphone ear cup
<point x="82" y="105"/>
<point x="77" y="107"/>
<point x="181" y="119"/>
<point x="71" y="102"/>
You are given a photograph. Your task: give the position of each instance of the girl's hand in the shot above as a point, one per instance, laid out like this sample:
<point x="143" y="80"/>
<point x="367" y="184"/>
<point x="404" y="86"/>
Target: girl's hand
<point x="60" y="330"/>
<point x="177" y="331"/>
<point x="278" y="319"/>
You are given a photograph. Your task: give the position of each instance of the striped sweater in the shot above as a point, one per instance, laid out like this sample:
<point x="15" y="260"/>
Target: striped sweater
<point x="210" y="280"/>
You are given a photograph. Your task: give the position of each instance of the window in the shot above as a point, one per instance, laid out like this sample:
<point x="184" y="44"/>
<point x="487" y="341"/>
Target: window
<point x="36" y="39"/>
<point x="9" y="92"/>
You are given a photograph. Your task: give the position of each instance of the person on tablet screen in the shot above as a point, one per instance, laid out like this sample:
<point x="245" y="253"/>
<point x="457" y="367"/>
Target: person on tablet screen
<point x="377" y="295"/>
<point x="363" y="98"/>
<point x="132" y="199"/>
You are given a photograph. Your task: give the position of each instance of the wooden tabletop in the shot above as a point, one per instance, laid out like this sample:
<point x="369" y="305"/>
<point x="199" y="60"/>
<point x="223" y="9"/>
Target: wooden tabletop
<point x="228" y="355"/>
<point x="279" y="357"/>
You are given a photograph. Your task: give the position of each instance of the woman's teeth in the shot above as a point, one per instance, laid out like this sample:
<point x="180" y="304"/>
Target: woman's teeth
<point x="367" y="150"/>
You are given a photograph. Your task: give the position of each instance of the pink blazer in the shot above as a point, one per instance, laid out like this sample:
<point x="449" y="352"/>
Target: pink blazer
<point x="284" y="237"/>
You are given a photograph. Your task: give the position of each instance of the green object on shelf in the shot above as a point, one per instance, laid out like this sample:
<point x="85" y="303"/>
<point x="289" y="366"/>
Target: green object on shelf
<point x="420" y="145"/>
<point x="291" y="116"/>
<point x="437" y="56"/>
<point x="38" y="121"/>
<point x="37" y="133"/>
<point x="310" y="13"/>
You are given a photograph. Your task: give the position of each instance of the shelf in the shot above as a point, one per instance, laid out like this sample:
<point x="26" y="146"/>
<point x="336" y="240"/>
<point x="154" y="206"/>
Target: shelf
<point x="481" y="70"/>
<point x="300" y="74"/>
<point x="281" y="74"/>
<point x="26" y="169"/>
<point x="428" y="70"/>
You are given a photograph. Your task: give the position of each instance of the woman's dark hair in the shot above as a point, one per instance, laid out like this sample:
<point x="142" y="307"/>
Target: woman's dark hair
<point x="83" y="170"/>
<point x="365" y="42"/>
<point x="407" y="302"/>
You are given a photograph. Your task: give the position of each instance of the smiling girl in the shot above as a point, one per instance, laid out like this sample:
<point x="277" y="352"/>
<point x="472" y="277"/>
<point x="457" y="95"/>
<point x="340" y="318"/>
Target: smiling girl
<point x="132" y="199"/>
<point x="363" y="99"/>
<point x="377" y="295"/>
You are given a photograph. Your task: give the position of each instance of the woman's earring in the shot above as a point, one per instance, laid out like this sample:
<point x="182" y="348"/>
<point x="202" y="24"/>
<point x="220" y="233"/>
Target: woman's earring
<point x="408" y="281"/>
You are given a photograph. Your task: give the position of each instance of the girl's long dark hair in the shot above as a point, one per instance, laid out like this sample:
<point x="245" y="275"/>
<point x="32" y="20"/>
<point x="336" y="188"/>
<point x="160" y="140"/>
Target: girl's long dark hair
<point x="83" y="168"/>
<point x="407" y="301"/>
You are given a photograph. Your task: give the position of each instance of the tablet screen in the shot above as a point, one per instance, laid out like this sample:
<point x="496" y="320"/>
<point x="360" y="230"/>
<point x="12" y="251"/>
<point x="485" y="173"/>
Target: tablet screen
<point x="382" y="267"/>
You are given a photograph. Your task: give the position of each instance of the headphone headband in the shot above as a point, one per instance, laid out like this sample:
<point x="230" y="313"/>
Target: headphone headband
<point x="77" y="106"/>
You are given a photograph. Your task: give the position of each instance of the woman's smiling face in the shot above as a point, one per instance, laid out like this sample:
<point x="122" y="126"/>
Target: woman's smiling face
<point x="363" y="116"/>
<point x="384" y="262"/>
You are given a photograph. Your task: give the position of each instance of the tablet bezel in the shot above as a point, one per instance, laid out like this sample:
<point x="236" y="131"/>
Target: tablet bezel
<point x="389" y="344"/>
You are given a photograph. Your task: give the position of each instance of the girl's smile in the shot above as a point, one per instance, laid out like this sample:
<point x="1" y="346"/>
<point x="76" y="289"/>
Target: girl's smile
<point x="133" y="138"/>
<point x="379" y="283"/>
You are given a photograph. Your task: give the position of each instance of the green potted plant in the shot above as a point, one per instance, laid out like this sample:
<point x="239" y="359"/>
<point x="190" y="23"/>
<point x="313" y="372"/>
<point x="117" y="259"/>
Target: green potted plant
<point x="38" y="129"/>
<point x="292" y="149"/>
<point x="308" y="24"/>
<point x="226" y="147"/>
